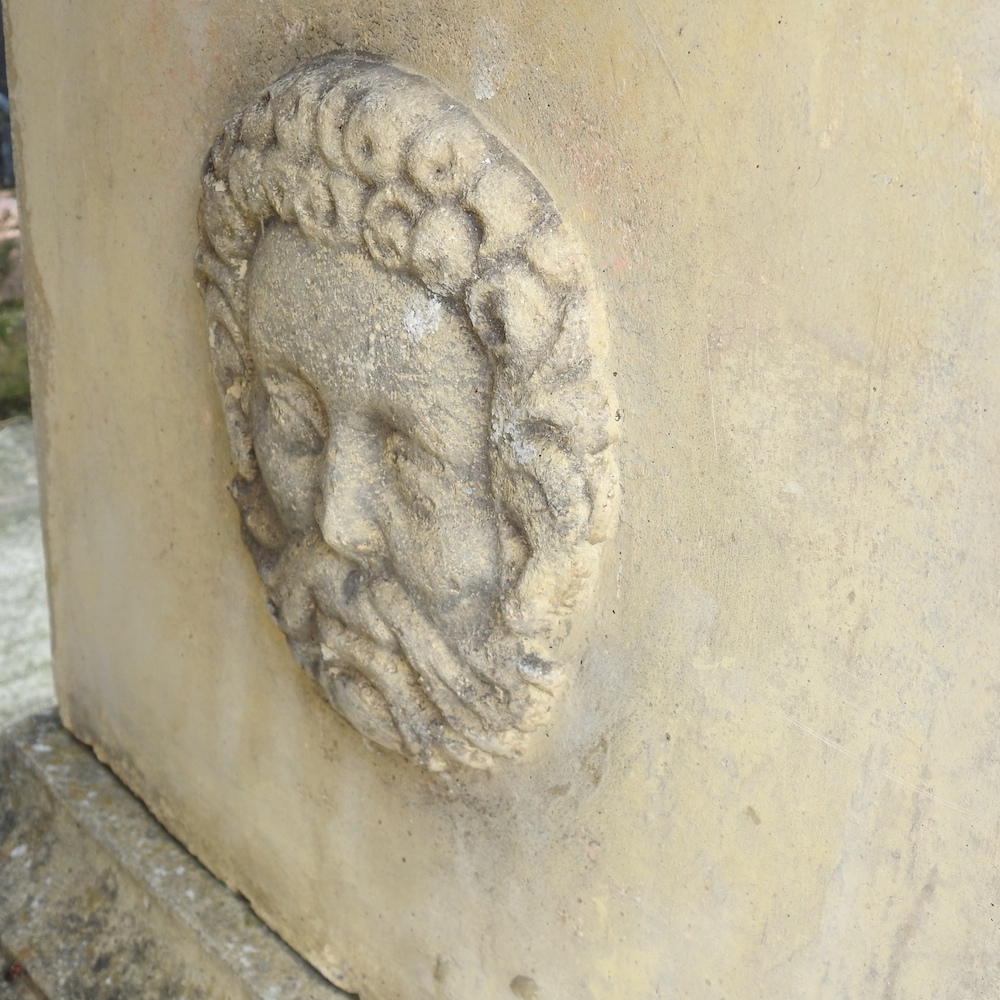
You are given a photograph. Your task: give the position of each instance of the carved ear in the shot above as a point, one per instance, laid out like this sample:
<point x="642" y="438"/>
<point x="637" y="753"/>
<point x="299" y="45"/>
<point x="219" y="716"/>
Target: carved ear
<point x="230" y="368"/>
<point x="486" y="313"/>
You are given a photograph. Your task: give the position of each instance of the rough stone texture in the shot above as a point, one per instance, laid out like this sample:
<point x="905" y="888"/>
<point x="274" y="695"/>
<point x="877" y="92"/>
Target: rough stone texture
<point x="98" y="902"/>
<point x="25" y="656"/>
<point x="775" y="773"/>
<point x="408" y="347"/>
<point x="15" y="983"/>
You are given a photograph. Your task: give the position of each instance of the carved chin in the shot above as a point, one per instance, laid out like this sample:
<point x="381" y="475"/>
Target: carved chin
<point x="388" y="670"/>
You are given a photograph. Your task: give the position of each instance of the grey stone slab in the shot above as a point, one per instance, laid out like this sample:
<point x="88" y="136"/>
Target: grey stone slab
<point x="97" y="901"/>
<point x="15" y="983"/>
<point x="18" y="472"/>
<point x="25" y="655"/>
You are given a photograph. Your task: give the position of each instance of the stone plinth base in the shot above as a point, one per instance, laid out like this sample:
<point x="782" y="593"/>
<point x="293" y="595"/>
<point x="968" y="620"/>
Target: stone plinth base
<point x="98" y="901"/>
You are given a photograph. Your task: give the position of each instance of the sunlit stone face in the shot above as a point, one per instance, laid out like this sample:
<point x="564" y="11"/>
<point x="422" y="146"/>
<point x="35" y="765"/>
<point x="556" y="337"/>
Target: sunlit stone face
<point x="408" y="344"/>
<point x="370" y="416"/>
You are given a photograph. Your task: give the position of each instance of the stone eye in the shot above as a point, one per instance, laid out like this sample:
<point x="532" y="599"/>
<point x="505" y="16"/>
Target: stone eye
<point x="417" y="471"/>
<point x="404" y="452"/>
<point x="295" y="415"/>
<point x="402" y="455"/>
<point x="398" y="448"/>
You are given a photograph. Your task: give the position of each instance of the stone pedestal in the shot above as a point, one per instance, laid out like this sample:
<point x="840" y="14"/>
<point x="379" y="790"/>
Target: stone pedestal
<point x="98" y="901"/>
<point x="773" y="768"/>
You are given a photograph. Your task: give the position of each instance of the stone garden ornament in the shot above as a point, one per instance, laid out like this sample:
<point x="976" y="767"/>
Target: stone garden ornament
<point x="408" y="344"/>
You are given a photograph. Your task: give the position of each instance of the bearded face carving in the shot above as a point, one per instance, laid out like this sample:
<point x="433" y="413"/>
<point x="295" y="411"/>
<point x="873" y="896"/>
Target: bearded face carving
<point x="407" y="341"/>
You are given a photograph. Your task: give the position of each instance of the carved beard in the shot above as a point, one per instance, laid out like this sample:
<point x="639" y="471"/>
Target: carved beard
<point x="383" y="663"/>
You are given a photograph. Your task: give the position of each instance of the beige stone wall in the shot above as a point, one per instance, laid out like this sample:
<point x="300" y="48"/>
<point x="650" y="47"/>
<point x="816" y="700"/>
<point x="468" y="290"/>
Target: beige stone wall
<point x="776" y="772"/>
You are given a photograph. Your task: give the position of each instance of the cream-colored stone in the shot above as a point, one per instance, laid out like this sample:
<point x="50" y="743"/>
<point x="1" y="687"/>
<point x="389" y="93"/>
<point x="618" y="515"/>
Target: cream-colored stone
<point x="774" y="773"/>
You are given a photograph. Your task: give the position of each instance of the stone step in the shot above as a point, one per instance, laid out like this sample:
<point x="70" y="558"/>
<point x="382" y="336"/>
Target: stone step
<point x="98" y="901"/>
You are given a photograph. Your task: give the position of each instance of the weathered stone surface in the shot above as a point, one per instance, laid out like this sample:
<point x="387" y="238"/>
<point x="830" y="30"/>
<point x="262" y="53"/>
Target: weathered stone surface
<point x="25" y="655"/>
<point x="775" y="770"/>
<point x="409" y="347"/>
<point x="98" y="902"/>
<point x="15" y="982"/>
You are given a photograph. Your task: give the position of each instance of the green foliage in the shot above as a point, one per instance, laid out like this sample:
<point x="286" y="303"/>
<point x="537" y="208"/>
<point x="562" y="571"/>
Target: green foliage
<point x="15" y="396"/>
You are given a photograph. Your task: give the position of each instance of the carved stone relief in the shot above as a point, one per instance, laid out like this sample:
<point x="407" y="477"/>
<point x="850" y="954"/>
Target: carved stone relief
<point x="408" y="343"/>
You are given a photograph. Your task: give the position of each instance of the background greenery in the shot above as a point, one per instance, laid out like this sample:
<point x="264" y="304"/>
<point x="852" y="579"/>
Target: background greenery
<point x="15" y="395"/>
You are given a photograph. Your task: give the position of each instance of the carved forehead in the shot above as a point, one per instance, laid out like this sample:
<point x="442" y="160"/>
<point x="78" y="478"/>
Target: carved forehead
<point x="297" y="278"/>
<point x="331" y="305"/>
<point x="369" y="343"/>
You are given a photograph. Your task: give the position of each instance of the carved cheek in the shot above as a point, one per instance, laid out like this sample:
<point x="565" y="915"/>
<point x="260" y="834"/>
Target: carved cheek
<point x="291" y="475"/>
<point x="292" y="482"/>
<point x="440" y="544"/>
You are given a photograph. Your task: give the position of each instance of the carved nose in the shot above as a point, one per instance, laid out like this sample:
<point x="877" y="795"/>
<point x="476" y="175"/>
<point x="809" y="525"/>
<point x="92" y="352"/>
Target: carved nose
<point x="346" y="511"/>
